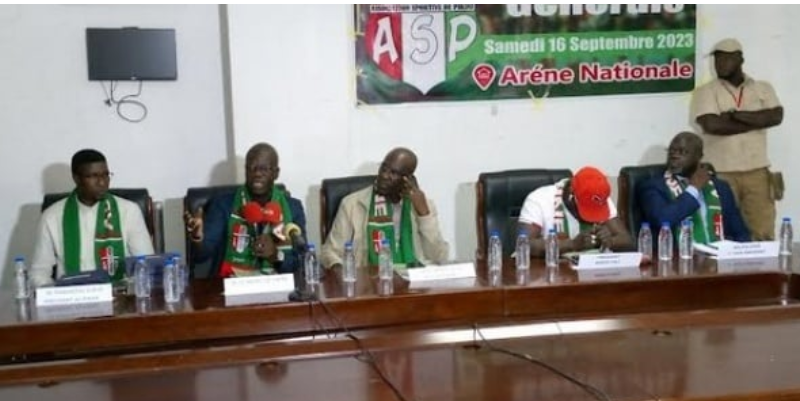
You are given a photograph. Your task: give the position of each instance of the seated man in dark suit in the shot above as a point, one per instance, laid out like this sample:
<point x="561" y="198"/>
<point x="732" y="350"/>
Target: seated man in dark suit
<point x="689" y="189"/>
<point x="245" y="232"/>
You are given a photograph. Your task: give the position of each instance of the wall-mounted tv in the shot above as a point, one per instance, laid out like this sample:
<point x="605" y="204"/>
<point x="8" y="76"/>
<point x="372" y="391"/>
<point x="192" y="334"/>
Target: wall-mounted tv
<point x="131" y="54"/>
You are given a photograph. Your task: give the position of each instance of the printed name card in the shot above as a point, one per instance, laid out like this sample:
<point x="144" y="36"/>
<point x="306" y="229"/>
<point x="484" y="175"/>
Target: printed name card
<point x="442" y="272"/>
<point x="747" y="250"/>
<point x="255" y="299"/>
<point x="609" y="274"/>
<point x="259" y="284"/>
<point x="74" y="294"/>
<point x="74" y="311"/>
<point x="740" y="265"/>
<point x="608" y="260"/>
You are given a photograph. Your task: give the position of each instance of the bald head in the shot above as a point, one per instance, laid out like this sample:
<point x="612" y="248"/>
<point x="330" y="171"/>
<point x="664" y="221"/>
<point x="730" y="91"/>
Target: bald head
<point x="261" y="170"/>
<point x="684" y="154"/>
<point x="398" y="164"/>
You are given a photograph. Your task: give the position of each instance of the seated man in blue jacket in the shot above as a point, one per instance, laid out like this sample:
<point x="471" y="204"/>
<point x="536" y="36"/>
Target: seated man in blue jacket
<point x="248" y="232"/>
<point x="689" y="189"/>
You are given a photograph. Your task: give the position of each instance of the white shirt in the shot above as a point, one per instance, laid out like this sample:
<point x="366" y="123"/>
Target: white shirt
<point x="540" y="209"/>
<point x="49" y="248"/>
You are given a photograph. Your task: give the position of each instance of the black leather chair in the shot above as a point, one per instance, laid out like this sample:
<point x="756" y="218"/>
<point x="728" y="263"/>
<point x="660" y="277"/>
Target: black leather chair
<point x="140" y="196"/>
<point x="628" y="203"/>
<point x="331" y="193"/>
<point x="500" y="195"/>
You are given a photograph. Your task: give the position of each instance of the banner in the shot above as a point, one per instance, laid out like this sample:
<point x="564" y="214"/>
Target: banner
<point x="447" y="52"/>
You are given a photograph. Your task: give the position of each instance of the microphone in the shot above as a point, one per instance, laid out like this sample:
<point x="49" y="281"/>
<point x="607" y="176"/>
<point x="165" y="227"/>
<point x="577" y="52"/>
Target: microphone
<point x="295" y="234"/>
<point x="253" y="214"/>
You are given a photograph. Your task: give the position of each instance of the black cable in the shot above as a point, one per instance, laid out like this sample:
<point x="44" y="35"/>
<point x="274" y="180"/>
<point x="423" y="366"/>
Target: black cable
<point x="593" y="391"/>
<point x="366" y="355"/>
<point x="125" y="100"/>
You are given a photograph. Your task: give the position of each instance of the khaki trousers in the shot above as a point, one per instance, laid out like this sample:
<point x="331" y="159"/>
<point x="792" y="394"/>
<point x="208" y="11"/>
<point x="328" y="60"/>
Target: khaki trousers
<point x="754" y="197"/>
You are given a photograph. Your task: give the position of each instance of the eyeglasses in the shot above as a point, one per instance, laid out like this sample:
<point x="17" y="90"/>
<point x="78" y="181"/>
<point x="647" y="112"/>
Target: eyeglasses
<point x="259" y="168"/>
<point x="98" y="176"/>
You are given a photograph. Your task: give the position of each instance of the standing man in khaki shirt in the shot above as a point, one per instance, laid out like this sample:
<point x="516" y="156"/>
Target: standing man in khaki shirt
<point x="734" y="112"/>
<point x="394" y="208"/>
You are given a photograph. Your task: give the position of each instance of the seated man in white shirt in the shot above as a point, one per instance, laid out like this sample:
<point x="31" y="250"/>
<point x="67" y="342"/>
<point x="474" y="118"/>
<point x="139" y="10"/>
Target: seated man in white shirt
<point x="580" y="210"/>
<point x="90" y="229"/>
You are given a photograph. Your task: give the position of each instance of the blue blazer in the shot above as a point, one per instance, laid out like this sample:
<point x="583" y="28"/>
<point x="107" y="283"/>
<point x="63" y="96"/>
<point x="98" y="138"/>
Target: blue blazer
<point x="655" y="200"/>
<point x="215" y="233"/>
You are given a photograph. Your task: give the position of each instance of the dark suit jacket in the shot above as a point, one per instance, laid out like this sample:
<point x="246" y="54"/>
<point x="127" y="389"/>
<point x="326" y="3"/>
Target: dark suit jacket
<point x="658" y="206"/>
<point x="215" y="233"/>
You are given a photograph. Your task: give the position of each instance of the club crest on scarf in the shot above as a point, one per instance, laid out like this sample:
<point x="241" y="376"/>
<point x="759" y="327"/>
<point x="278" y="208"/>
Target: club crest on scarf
<point x="240" y="237"/>
<point x="377" y="240"/>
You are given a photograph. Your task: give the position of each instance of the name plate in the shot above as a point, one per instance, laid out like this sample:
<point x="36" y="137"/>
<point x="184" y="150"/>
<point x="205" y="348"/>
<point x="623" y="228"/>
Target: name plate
<point x="442" y="272"/>
<point x="255" y="299"/>
<point x="467" y="282"/>
<point x="74" y="294"/>
<point x="259" y="284"/>
<point x="622" y="273"/>
<point x="608" y="260"/>
<point x="739" y="265"/>
<point x="747" y="250"/>
<point x="74" y="311"/>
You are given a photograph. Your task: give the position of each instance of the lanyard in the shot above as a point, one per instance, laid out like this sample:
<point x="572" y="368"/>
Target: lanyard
<point x="738" y="100"/>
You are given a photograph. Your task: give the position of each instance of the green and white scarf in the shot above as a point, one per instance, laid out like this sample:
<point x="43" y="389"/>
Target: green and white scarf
<point x="380" y="225"/>
<point x="239" y="258"/>
<point x="109" y="247"/>
<point x="713" y="230"/>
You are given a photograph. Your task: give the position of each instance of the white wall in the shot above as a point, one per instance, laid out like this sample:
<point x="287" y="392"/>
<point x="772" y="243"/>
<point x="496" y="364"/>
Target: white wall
<point x="49" y="109"/>
<point x="293" y="85"/>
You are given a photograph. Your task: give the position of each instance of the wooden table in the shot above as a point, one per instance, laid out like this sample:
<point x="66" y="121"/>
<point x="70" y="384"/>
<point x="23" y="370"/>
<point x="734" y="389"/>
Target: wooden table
<point x="555" y="310"/>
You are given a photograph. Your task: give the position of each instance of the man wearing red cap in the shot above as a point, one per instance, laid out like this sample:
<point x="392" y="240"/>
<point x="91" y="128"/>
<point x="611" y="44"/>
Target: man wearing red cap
<point x="734" y="112"/>
<point x="581" y="211"/>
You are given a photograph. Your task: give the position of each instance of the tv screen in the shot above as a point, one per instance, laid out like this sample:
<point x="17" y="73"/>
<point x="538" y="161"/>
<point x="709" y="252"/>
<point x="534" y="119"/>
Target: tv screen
<point x="131" y="54"/>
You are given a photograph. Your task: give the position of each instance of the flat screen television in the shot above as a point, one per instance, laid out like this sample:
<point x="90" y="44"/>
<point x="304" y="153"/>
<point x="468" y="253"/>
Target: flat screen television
<point x="131" y="54"/>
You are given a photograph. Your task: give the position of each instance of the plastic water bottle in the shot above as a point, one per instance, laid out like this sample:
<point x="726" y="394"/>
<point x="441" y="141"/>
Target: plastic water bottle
<point x="349" y="273"/>
<point x="172" y="292"/>
<point x="495" y="252"/>
<point x="385" y="261"/>
<point x="523" y="251"/>
<point x="21" y="275"/>
<point x="665" y="242"/>
<point x="786" y="236"/>
<point x="183" y="272"/>
<point x="142" y="278"/>
<point x="685" y="238"/>
<point x="551" y="249"/>
<point x="646" y="242"/>
<point x="311" y="265"/>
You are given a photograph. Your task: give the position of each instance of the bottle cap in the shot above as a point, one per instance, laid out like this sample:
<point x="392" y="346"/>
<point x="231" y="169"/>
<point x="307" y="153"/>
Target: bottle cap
<point x="348" y="245"/>
<point x="552" y="230"/>
<point x="310" y="246"/>
<point x="664" y="224"/>
<point x="522" y="232"/>
<point x="645" y="224"/>
<point x="787" y="219"/>
<point x="494" y="233"/>
<point x="19" y="259"/>
<point x="140" y="257"/>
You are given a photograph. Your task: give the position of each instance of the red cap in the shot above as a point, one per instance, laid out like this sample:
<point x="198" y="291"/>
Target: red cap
<point x="591" y="190"/>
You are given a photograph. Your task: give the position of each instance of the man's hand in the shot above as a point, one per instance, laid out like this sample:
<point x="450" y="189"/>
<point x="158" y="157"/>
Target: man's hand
<point x="603" y="235"/>
<point x="583" y="241"/>
<point x="700" y="177"/>
<point x="264" y="247"/>
<point x="417" y="196"/>
<point x="194" y="225"/>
